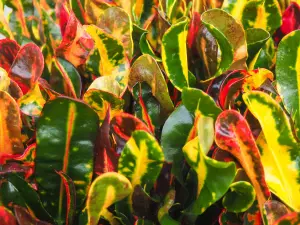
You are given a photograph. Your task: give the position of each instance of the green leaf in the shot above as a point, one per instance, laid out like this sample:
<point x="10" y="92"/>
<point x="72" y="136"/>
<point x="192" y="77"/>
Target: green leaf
<point x="106" y="190"/>
<point x="288" y="75"/>
<point x="65" y="79"/>
<point x="279" y="150"/>
<point x="174" y="54"/>
<point x="163" y="214"/>
<point x="289" y="219"/>
<point x="117" y="22"/>
<point x="240" y="197"/>
<point x="213" y="177"/>
<point x="146" y="69"/>
<point x="265" y="56"/>
<point x="146" y="48"/>
<point x="198" y="102"/>
<point x="66" y="134"/>
<point x="230" y="36"/>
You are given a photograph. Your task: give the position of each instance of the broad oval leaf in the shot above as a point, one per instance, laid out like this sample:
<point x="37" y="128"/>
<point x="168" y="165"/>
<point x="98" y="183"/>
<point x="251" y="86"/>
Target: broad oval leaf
<point x="10" y="126"/>
<point x="213" y="177"/>
<point x="240" y="197"/>
<point x="146" y="69"/>
<point x="94" y="8"/>
<point x="106" y="190"/>
<point x="117" y="22"/>
<point x="141" y="159"/>
<point x="230" y="36"/>
<point x="66" y="133"/>
<point x="288" y="74"/>
<point x="27" y="67"/>
<point x="65" y="79"/>
<point x="174" y="54"/>
<point x="8" y="51"/>
<point x="234" y="135"/>
<point x="279" y="150"/>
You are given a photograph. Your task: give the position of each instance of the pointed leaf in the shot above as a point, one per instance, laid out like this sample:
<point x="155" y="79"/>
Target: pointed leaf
<point x="230" y="36"/>
<point x="58" y="148"/>
<point x="288" y="75"/>
<point x="174" y="54"/>
<point x="106" y="190"/>
<point x="234" y="135"/>
<point x="279" y="150"/>
<point x="146" y="48"/>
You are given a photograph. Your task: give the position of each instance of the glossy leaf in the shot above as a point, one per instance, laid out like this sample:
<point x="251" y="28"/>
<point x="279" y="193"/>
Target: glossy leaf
<point x="230" y="36"/>
<point x="145" y="69"/>
<point x="240" y="197"/>
<point x="234" y="135"/>
<point x="287" y="74"/>
<point x="210" y="186"/>
<point x="106" y="190"/>
<point x="27" y="67"/>
<point x="58" y="148"/>
<point x="65" y="79"/>
<point x="141" y="160"/>
<point x="8" y="49"/>
<point x="10" y="126"/>
<point x="116" y="21"/>
<point x="279" y="150"/>
<point x="174" y="54"/>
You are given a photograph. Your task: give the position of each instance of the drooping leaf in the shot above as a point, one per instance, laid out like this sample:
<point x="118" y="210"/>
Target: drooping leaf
<point x="106" y="190"/>
<point x="210" y="186"/>
<point x="230" y="36"/>
<point x="71" y="197"/>
<point x="145" y="69"/>
<point x="288" y="73"/>
<point x="234" y="135"/>
<point x="10" y="126"/>
<point x="27" y="67"/>
<point x="58" y="148"/>
<point x="279" y="150"/>
<point x="33" y="102"/>
<point x="240" y="197"/>
<point x="6" y="216"/>
<point x="174" y="54"/>
<point x="8" y="52"/>
<point x="116" y="21"/>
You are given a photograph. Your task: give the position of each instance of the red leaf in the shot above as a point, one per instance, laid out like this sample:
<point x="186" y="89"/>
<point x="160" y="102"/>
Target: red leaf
<point x="24" y="217"/>
<point x="27" y="66"/>
<point x="193" y="29"/>
<point x="6" y="217"/>
<point x="8" y="52"/>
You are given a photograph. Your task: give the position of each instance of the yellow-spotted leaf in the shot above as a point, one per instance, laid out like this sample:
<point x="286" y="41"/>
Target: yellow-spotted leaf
<point x="279" y="151"/>
<point x="146" y="69"/>
<point x="117" y="22"/>
<point x="101" y="101"/>
<point x="10" y="126"/>
<point x="111" y="51"/>
<point x="263" y="14"/>
<point x="255" y="78"/>
<point x="4" y="80"/>
<point x="106" y="190"/>
<point x="231" y="39"/>
<point x="213" y="177"/>
<point x="174" y="54"/>
<point x="288" y="75"/>
<point x="93" y="9"/>
<point x="234" y="136"/>
<point x="33" y="102"/>
<point x="141" y="160"/>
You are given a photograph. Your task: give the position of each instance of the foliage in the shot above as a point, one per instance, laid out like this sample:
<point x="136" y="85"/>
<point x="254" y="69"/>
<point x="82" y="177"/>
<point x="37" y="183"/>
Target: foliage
<point x="163" y="112"/>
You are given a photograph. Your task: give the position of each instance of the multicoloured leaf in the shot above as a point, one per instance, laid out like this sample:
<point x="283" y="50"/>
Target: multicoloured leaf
<point x="279" y="150"/>
<point x="145" y="69"/>
<point x="234" y="135"/>
<point x="289" y="219"/>
<point x="6" y="216"/>
<point x="174" y="54"/>
<point x="24" y="217"/>
<point x="240" y="197"/>
<point x="231" y="39"/>
<point x="117" y="22"/>
<point x="58" y="148"/>
<point x="288" y="75"/>
<point x="9" y="50"/>
<point x="213" y="177"/>
<point x="146" y="48"/>
<point x="106" y="190"/>
<point x="4" y="80"/>
<point x="65" y="79"/>
<point x="94" y="9"/>
<point x="163" y="213"/>
<point x="27" y="67"/>
<point x="10" y="126"/>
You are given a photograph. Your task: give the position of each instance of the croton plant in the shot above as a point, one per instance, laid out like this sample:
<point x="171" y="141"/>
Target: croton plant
<point x="149" y="112"/>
